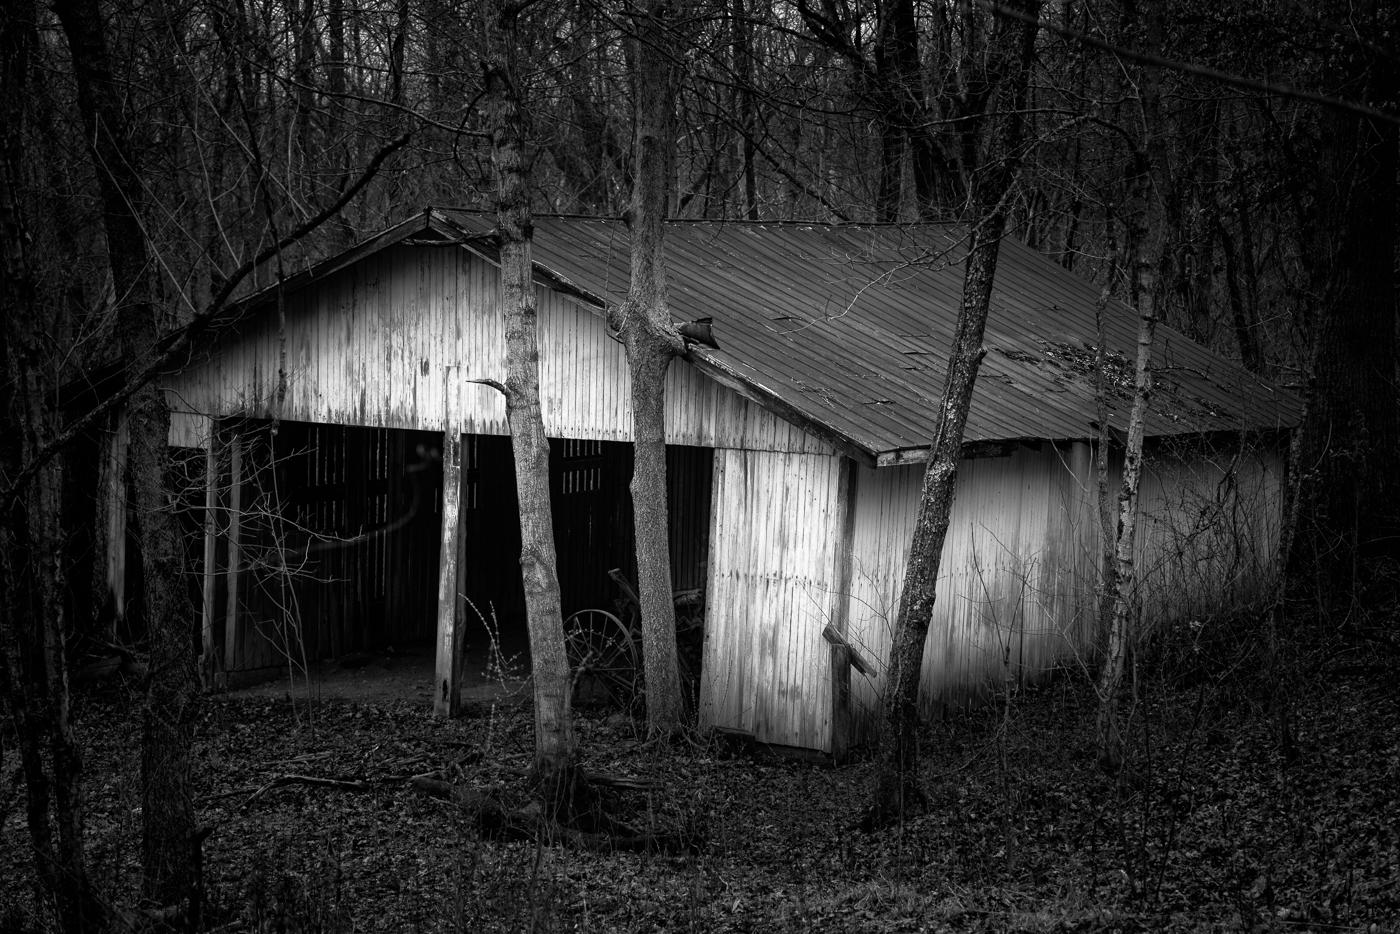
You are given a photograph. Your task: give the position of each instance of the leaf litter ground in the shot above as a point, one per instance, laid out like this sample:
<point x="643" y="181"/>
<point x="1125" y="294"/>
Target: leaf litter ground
<point x="1212" y="829"/>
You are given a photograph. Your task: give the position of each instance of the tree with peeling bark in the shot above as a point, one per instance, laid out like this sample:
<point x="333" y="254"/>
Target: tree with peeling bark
<point x="1120" y="582"/>
<point x="643" y="323"/>
<point x="896" y="789"/>
<point x="555" y="744"/>
<point x="1146" y="253"/>
<point x="1103" y="616"/>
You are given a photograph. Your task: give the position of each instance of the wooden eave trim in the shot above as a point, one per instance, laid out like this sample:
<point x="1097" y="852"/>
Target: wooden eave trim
<point x="767" y="399"/>
<point x="541" y="274"/>
<point x="334" y="264"/>
<point x="999" y="447"/>
<point x="987" y="448"/>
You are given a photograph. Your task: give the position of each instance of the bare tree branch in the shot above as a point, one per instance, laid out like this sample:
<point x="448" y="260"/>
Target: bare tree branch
<point x="1270" y="88"/>
<point x="178" y="341"/>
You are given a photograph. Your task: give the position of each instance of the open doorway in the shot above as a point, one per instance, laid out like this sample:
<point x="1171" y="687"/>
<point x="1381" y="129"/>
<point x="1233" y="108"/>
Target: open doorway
<point x="592" y="516"/>
<point x="328" y="538"/>
<point x="327" y="546"/>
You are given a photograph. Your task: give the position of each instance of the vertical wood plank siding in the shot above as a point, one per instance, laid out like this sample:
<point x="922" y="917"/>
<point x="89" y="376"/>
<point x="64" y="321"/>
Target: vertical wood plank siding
<point x="393" y="341"/>
<point x="1016" y="591"/>
<point x="772" y="589"/>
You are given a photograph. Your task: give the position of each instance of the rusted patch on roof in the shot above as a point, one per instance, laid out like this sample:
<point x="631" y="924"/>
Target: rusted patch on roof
<point x="1020" y="356"/>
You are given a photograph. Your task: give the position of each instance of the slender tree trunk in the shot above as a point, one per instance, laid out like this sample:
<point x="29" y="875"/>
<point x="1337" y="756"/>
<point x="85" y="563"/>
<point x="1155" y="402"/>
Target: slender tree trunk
<point x="1107" y="527"/>
<point x="896" y="788"/>
<point x="743" y="102"/>
<point x="938" y="188"/>
<point x="301" y="24"/>
<point x="33" y="627"/>
<point x="896" y="785"/>
<point x="1146" y="251"/>
<point x="396" y="56"/>
<point x="889" y="194"/>
<point x="644" y="324"/>
<point x="1242" y="313"/>
<point x="555" y="745"/>
<point x="1125" y="598"/>
<point x="167" y="816"/>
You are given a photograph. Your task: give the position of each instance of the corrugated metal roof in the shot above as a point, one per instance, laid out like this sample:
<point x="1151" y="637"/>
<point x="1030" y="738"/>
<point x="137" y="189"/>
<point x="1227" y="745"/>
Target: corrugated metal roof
<point x="849" y="327"/>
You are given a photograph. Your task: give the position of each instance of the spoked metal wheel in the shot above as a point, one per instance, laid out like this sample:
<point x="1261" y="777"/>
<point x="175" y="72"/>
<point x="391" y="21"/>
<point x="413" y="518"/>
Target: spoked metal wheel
<point x="602" y="659"/>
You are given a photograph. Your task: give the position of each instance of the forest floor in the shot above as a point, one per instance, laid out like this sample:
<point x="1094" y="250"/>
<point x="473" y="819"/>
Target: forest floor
<point x="1212" y="828"/>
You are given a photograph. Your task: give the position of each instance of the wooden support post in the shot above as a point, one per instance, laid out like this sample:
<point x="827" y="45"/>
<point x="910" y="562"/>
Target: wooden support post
<point x="209" y="671"/>
<point x="114" y="494"/>
<point x="843" y="655"/>
<point x="235" y="517"/>
<point x="447" y="670"/>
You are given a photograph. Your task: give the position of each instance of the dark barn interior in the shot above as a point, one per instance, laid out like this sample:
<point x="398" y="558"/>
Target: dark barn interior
<point x="337" y="531"/>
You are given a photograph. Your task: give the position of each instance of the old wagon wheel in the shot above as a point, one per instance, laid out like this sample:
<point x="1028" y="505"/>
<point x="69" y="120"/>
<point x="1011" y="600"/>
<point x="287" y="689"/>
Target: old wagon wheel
<point x="602" y="659"/>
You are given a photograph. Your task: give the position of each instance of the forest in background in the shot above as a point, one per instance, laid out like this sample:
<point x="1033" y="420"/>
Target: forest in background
<point x="243" y="121"/>
<point x="1234" y="168"/>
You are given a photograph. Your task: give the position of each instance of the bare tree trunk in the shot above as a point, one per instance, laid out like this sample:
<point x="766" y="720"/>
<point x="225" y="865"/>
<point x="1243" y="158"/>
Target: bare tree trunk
<point x="1107" y="527"/>
<point x="937" y="185"/>
<point x="1146" y="253"/>
<point x="33" y="627"/>
<point x="555" y="744"/>
<point x="644" y="324"/>
<point x="743" y="103"/>
<point x="896" y="788"/>
<point x="1125" y="597"/>
<point x="1243" y="315"/>
<point x="167" y="815"/>
<point x="301" y="26"/>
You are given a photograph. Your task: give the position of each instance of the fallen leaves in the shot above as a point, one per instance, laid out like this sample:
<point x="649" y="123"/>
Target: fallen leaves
<point x="318" y="829"/>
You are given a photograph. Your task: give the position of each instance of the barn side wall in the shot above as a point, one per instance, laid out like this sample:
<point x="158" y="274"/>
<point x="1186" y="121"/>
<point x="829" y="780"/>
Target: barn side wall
<point x="1015" y="595"/>
<point x="772" y="589"/>
<point x="1009" y="594"/>
<point x="395" y="340"/>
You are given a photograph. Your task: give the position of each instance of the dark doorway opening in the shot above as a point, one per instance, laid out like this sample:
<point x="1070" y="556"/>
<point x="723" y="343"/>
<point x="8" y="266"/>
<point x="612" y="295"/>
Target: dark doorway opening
<point x="592" y="516"/>
<point x="329" y="536"/>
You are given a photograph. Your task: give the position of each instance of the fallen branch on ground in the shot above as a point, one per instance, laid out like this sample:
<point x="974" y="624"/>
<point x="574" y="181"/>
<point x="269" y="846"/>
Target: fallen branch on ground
<point x="342" y="784"/>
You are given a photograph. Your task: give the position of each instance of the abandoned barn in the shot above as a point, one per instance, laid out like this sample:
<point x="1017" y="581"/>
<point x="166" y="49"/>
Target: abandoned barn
<point x="359" y="488"/>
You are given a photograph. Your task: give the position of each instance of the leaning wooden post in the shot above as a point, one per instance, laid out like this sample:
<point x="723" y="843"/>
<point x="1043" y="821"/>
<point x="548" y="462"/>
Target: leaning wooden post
<point x="447" y="669"/>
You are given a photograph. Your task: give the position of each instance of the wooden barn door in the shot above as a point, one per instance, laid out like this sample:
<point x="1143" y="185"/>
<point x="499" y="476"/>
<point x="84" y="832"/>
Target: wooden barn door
<point x="775" y="584"/>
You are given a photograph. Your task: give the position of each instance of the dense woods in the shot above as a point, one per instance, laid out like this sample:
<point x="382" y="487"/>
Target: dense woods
<point x="1226" y="170"/>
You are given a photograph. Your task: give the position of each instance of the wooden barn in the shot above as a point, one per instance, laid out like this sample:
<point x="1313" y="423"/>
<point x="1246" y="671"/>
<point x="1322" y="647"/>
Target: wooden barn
<point x="359" y="488"/>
